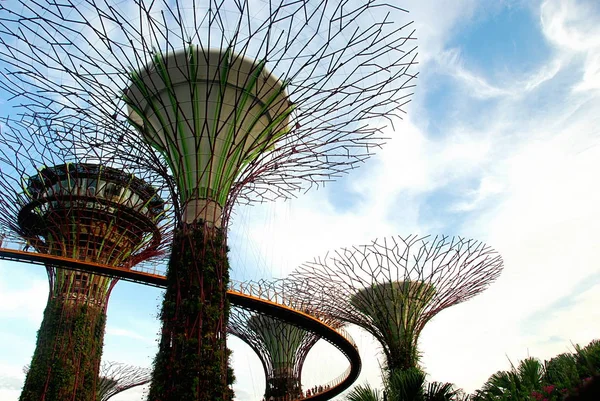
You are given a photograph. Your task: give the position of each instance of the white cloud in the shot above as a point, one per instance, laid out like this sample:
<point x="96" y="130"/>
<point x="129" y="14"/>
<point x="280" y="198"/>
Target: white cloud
<point x="28" y="299"/>
<point x="573" y="27"/>
<point x="571" y="24"/>
<point x="449" y="61"/>
<point x="488" y="187"/>
<point x="9" y="394"/>
<point x="544" y="74"/>
<point x="436" y="20"/>
<point x="581" y="314"/>
<point x="535" y="201"/>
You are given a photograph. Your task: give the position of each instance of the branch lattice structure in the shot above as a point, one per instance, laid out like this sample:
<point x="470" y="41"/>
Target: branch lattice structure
<point x="83" y="210"/>
<point x="331" y="75"/>
<point x="116" y="377"/>
<point x="393" y="286"/>
<point x="236" y="101"/>
<point x="282" y="347"/>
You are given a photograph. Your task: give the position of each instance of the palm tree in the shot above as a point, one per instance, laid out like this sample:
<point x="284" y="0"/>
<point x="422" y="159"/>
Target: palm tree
<point x="517" y="384"/>
<point x="588" y="359"/>
<point x="406" y="385"/>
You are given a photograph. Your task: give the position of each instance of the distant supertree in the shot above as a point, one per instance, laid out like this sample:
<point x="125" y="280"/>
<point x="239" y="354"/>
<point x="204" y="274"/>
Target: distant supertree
<point x="73" y="209"/>
<point x="245" y="101"/>
<point x="116" y="377"/>
<point x="394" y="286"/>
<point x="281" y="347"/>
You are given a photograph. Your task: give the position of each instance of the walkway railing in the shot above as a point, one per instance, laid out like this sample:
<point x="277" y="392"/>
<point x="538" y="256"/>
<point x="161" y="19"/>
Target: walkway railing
<point x="250" y="295"/>
<point x="155" y="267"/>
<point x="270" y="294"/>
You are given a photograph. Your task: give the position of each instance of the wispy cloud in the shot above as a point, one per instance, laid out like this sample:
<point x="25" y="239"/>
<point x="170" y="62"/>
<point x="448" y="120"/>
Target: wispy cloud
<point x="24" y="300"/>
<point x="533" y="156"/>
<point x="572" y="27"/>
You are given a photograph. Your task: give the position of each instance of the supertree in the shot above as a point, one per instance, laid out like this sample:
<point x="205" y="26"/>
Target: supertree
<point x="393" y="286"/>
<point x="60" y="204"/>
<point x="281" y="347"/>
<point x="116" y="377"/>
<point x="245" y="101"/>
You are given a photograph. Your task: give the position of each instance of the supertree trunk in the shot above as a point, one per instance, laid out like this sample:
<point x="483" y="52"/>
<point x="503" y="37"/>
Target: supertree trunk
<point x="66" y="361"/>
<point x="192" y="358"/>
<point x="405" y="356"/>
<point x="280" y="387"/>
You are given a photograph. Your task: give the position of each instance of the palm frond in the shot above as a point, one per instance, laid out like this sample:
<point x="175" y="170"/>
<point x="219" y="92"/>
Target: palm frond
<point x="531" y="373"/>
<point x="438" y="391"/>
<point x="405" y="385"/>
<point x="364" y="393"/>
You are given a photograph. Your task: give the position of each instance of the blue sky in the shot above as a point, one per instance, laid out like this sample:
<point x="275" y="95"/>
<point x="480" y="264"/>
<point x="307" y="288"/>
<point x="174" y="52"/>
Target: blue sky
<point x="500" y="143"/>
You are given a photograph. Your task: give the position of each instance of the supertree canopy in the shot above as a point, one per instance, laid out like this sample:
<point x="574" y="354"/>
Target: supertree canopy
<point x="90" y="212"/>
<point x="393" y="286"/>
<point x="229" y="111"/>
<point x="79" y="210"/>
<point x="116" y="377"/>
<point x="243" y="100"/>
<point x="281" y="346"/>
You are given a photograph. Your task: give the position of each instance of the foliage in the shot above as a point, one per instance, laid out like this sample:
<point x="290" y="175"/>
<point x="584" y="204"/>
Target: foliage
<point x="548" y="393"/>
<point x="364" y="393"/>
<point x="66" y="360"/>
<point x="193" y="362"/>
<point x="515" y="384"/>
<point x="562" y="371"/>
<point x="588" y="359"/>
<point x="438" y="391"/>
<point x="406" y="385"/>
<point x="563" y="375"/>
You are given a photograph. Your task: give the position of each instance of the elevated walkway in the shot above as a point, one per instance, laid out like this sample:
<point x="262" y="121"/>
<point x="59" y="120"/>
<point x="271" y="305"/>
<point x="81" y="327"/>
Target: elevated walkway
<point x="248" y="296"/>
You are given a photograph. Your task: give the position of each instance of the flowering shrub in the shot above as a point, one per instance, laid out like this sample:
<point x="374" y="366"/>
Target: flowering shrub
<point x="549" y="393"/>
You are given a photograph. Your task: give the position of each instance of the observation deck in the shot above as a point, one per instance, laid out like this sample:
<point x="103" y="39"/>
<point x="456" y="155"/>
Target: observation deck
<point x="92" y="213"/>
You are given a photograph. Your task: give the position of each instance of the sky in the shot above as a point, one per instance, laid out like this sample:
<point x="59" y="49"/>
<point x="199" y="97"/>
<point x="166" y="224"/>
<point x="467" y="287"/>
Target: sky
<point x="500" y="143"/>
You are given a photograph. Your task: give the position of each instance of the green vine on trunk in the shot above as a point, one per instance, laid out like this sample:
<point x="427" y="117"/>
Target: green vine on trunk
<point x="66" y="360"/>
<point x="192" y="362"/>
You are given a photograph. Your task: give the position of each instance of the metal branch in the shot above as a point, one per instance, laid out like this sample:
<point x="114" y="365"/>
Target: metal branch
<point x="346" y="68"/>
<point x="226" y="102"/>
<point x="116" y="377"/>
